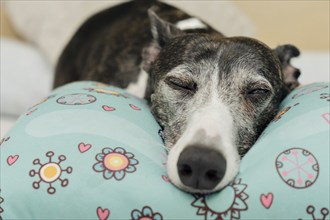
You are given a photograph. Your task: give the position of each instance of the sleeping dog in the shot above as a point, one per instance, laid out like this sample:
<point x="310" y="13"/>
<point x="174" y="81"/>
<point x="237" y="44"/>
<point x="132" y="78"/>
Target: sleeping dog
<point x="213" y="95"/>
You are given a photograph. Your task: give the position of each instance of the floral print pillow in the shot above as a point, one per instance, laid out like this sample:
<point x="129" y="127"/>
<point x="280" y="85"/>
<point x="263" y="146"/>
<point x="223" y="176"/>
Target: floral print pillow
<point x="91" y="151"/>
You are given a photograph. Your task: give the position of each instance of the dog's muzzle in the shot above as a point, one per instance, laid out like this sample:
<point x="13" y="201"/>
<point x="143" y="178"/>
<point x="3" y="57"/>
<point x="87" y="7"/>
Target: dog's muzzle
<point x="201" y="168"/>
<point x="205" y="158"/>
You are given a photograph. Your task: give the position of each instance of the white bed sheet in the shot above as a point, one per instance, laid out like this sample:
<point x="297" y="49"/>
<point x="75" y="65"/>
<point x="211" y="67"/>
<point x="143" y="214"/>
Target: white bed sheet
<point x="314" y="66"/>
<point x="26" y="77"/>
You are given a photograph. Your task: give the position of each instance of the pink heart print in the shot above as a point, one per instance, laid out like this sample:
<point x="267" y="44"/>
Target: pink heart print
<point x="84" y="147"/>
<point x="266" y="200"/>
<point x="134" y="107"/>
<point x="326" y="117"/>
<point x="166" y="179"/>
<point x="108" y="108"/>
<point x="12" y="159"/>
<point x="103" y="214"/>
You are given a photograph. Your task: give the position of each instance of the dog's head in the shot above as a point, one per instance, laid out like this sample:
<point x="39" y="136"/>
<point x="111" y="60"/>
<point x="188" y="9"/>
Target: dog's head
<point x="213" y="96"/>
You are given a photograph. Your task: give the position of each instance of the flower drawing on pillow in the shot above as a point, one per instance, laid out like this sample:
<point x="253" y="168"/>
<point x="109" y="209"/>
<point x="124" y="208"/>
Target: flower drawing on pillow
<point x="228" y="205"/>
<point x="145" y="214"/>
<point x="50" y="172"/>
<point x="115" y="163"/>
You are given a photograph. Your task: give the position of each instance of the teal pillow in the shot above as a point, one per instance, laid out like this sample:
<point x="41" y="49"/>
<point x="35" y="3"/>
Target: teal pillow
<point x="91" y="151"/>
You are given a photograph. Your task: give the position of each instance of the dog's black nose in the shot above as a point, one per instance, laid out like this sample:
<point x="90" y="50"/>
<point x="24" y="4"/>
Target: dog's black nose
<point x="201" y="168"/>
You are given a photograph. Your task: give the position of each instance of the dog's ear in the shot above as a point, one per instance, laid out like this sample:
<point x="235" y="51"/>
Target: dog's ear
<point x="162" y="31"/>
<point x="291" y="74"/>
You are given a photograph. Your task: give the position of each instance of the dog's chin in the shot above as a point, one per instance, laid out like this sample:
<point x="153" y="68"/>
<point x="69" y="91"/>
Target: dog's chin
<point x="190" y="190"/>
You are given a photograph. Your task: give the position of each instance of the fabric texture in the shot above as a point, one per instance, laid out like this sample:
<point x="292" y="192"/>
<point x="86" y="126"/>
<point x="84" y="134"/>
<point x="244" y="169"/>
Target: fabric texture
<point x="90" y="151"/>
<point x="51" y="24"/>
<point x="26" y="76"/>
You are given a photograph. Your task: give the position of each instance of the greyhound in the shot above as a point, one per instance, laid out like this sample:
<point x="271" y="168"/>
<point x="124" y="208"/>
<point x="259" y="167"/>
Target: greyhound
<point x="212" y="95"/>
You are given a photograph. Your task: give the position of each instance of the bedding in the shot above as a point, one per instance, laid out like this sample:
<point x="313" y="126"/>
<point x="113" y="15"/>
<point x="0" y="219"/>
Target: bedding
<point x="92" y="151"/>
<point x="26" y="76"/>
<point x="60" y="19"/>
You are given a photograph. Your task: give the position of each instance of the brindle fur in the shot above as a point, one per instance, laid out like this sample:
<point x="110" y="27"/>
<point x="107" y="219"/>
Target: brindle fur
<point x="213" y="70"/>
<point x="107" y="47"/>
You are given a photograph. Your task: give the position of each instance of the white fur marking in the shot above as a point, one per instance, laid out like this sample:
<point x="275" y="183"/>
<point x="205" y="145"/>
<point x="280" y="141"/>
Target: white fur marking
<point x="139" y="88"/>
<point x="191" y="23"/>
<point x="211" y="125"/>
<point x="217" y="123"/>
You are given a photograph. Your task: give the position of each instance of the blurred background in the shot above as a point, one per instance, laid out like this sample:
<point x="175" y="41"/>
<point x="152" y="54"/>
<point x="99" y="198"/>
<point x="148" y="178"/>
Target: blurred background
<point x="33" y="34"/>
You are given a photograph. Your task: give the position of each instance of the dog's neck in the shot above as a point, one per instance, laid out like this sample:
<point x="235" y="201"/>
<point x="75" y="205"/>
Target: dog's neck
<point x="139" y="87"/>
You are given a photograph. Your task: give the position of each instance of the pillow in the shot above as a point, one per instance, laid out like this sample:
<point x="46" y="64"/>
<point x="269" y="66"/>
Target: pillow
<point x="26" y="77"/>
<point x="51" y="24"/>
<point x="90" y="151"/>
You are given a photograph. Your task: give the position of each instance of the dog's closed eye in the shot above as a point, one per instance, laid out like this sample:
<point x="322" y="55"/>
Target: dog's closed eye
<point x="258" y="92"/>
<point x="180" y="84"/>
